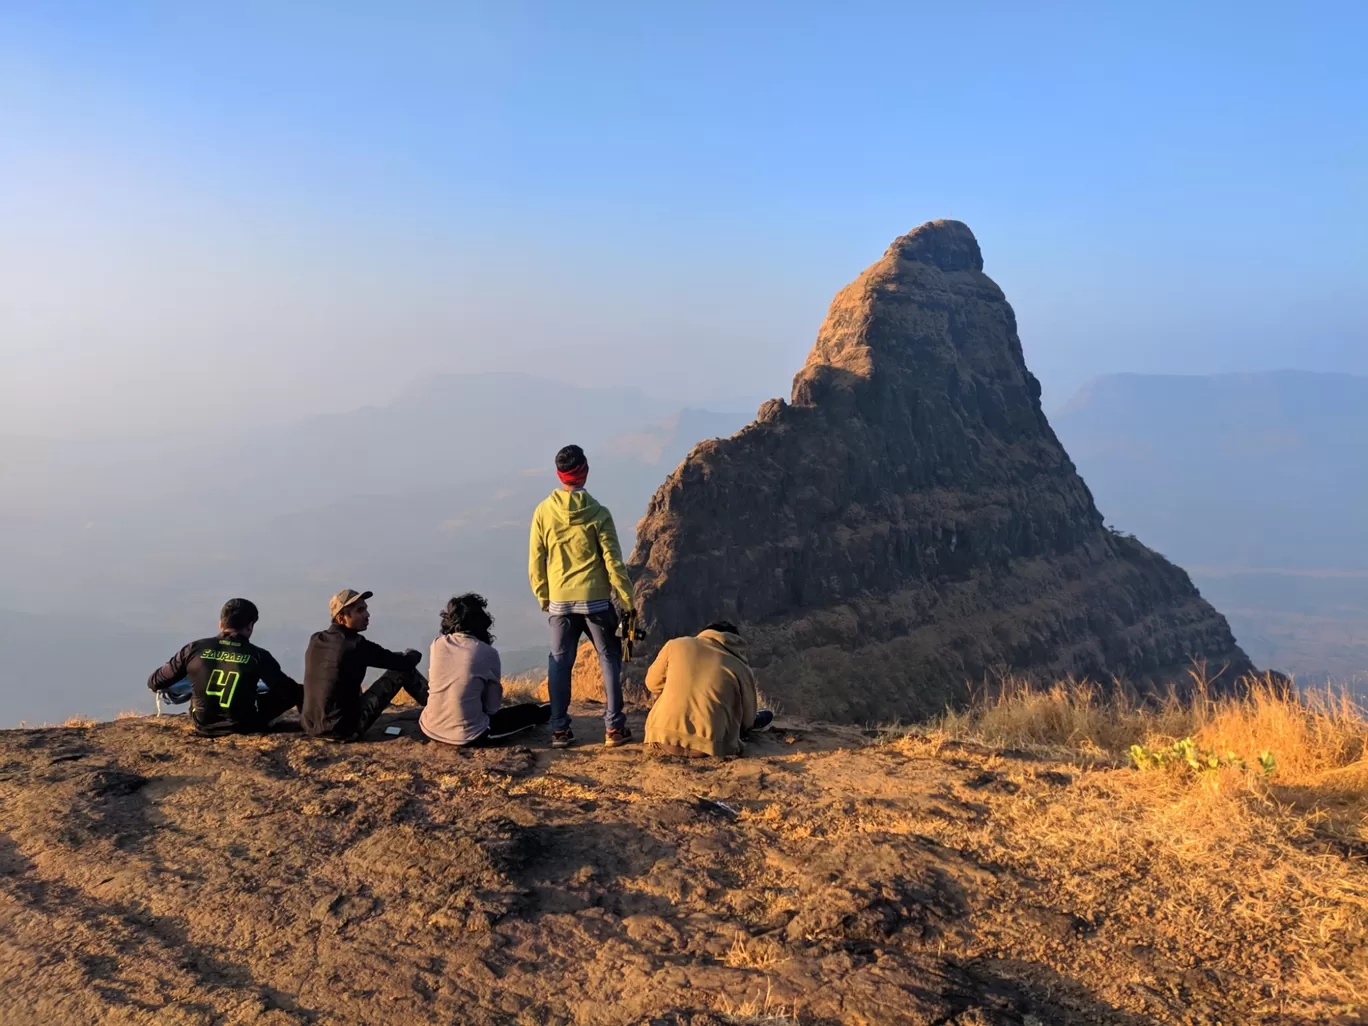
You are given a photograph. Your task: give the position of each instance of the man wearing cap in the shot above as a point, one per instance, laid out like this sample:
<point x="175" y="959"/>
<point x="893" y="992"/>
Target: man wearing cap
<point x="575" y="566"/>
<point x="224" y="672"/>
<point x="335" y="666"/>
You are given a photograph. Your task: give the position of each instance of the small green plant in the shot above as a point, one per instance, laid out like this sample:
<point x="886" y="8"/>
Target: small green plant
<point x="1187" y="753"/>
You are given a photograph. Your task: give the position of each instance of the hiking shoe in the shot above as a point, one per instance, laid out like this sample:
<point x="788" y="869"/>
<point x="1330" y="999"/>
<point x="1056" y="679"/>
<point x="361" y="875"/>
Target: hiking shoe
<point x="763" y="719"/>
<point x="618" y="737"/>
<point x="562" y="738"/>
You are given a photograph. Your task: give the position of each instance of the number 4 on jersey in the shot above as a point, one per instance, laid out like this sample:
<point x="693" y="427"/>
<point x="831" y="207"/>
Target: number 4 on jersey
<point x="221" y="686"/>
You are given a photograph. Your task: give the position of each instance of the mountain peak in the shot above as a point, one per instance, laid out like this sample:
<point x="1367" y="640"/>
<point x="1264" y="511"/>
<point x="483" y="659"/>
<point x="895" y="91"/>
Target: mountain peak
<point x="948" y="245"/>
<point x="910" y="523"/>
<point x="892" y="319"/>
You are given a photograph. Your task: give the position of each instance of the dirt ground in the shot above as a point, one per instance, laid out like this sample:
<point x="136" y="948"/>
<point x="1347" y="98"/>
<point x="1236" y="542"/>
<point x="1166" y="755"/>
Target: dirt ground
<point x="149" y="876"/>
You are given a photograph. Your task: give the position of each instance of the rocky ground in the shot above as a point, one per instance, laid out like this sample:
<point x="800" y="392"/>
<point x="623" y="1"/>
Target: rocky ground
<point x="147" y="875"/>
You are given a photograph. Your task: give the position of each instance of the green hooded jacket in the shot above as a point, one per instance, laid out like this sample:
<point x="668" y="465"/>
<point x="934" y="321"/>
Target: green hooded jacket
<point x="574" y="554"/>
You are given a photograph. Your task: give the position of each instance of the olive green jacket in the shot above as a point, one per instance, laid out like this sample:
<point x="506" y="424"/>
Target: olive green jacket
<point x="573" y="552"/>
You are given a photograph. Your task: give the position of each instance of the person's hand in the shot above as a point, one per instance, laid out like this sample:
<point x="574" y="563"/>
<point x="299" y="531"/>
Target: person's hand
<point x="414" y="654"/>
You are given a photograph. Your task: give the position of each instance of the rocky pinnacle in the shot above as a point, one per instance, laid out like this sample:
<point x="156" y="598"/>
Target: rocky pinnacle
<point x="907" y="526"/>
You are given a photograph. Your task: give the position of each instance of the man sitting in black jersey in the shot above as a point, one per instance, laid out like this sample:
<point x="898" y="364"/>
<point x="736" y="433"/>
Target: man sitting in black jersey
<point x="224" y="671"/>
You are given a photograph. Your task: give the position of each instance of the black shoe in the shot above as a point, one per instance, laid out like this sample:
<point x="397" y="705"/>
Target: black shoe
<point x="617" y="737"/>
<point x="544" y="713"/>
<point x="562" y="738"/>
<point x="762" y="721"/>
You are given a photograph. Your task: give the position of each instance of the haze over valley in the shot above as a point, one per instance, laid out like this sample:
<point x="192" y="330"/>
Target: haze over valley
<point x="431" y="493"/>
<point x="1256" y="484"/>
<point x="416" y="500"/>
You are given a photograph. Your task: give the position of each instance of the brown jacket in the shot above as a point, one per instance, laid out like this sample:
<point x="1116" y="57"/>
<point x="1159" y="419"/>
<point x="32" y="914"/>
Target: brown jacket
<point x="705" y="694"/>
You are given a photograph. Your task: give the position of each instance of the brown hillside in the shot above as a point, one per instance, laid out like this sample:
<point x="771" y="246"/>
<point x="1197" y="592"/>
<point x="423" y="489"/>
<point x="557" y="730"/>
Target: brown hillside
<point x="909" y="521"/>
<point x="149" y="876"/>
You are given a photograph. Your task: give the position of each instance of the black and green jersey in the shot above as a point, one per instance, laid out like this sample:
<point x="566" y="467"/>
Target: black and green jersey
<point x="223" y="672"/>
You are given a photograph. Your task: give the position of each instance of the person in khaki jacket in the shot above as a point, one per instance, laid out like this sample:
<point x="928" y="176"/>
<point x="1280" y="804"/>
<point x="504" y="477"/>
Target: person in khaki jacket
<point x="705" y="695"/>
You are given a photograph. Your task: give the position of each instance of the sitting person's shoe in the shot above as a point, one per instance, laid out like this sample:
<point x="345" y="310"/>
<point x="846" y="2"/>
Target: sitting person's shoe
<point x="618" y="737"/>
<point x="562" y="738"/>
<point x="544" y="713"/>
<point x="763" y="719"/>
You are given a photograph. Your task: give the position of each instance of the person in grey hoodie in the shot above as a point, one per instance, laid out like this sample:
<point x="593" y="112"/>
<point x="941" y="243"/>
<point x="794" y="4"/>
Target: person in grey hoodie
<point x="465" y="685"/>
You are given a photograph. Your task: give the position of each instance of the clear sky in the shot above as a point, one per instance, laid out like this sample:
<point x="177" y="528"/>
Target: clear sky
<point x="306" y="206"/>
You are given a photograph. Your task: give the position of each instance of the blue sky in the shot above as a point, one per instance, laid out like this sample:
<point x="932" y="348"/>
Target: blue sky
<point x="320" y="205"/>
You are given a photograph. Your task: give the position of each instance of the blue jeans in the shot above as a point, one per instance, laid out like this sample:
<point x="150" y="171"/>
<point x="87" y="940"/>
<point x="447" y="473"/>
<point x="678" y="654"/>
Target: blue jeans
<point x="565" y="637"/>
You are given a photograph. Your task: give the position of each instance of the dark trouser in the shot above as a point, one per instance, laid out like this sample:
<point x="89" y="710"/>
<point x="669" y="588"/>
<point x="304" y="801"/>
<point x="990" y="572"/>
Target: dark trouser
<point x="269" y="705"/>
<point x="277" y="702"/>
<point x="509" y="721"/>
<point x="379" y="695"/>
<point x="565" y="636"/>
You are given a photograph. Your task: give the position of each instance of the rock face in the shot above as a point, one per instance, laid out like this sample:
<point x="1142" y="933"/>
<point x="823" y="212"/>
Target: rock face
<point x="909" y="526"/>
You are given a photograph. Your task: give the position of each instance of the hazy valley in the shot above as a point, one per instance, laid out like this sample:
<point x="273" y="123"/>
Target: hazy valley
<point x="417" y="500"/>
<point x="1256" y="485"/>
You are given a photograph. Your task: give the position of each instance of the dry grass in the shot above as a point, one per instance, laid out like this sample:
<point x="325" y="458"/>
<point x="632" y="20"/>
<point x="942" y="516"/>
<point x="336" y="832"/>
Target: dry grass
<point x="1073" y="716"/>
<point x="1233" y="856"/>
<point x="523" y="688"/>
<point x="754" y="953"/>
<point x="1317" y="739"/>
<point x="762" y="1012"/>
<point x="764" y="701"/>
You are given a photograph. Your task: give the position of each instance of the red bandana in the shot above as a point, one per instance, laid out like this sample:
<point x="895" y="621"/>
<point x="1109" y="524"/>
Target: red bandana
<point x="574" y="478"/>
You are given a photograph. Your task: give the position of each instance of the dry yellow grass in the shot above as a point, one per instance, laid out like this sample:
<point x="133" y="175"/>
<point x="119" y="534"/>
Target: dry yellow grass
<point x="1318" y="740"/>
<point x="754" y="953"/>
<point x="523" y="688"/>
<point x="1272" y="861"/>
<point x="758" y="1011"/>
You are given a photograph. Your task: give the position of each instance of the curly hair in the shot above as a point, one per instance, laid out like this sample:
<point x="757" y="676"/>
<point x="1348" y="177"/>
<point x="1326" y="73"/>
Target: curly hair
<point x="468" y="614"/>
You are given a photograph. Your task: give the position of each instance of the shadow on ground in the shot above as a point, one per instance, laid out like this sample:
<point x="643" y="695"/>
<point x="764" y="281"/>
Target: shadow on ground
<point x="147" y="875"/>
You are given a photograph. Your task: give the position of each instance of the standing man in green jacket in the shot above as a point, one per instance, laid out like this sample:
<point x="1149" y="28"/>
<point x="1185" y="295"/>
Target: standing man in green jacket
<point x="575" y="566"/>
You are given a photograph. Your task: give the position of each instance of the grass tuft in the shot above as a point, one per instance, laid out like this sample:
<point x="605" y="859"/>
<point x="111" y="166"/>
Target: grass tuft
<point x="522" y="688"/>
<point x="759" y="1012"/>
<point x="754" y="953"/>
